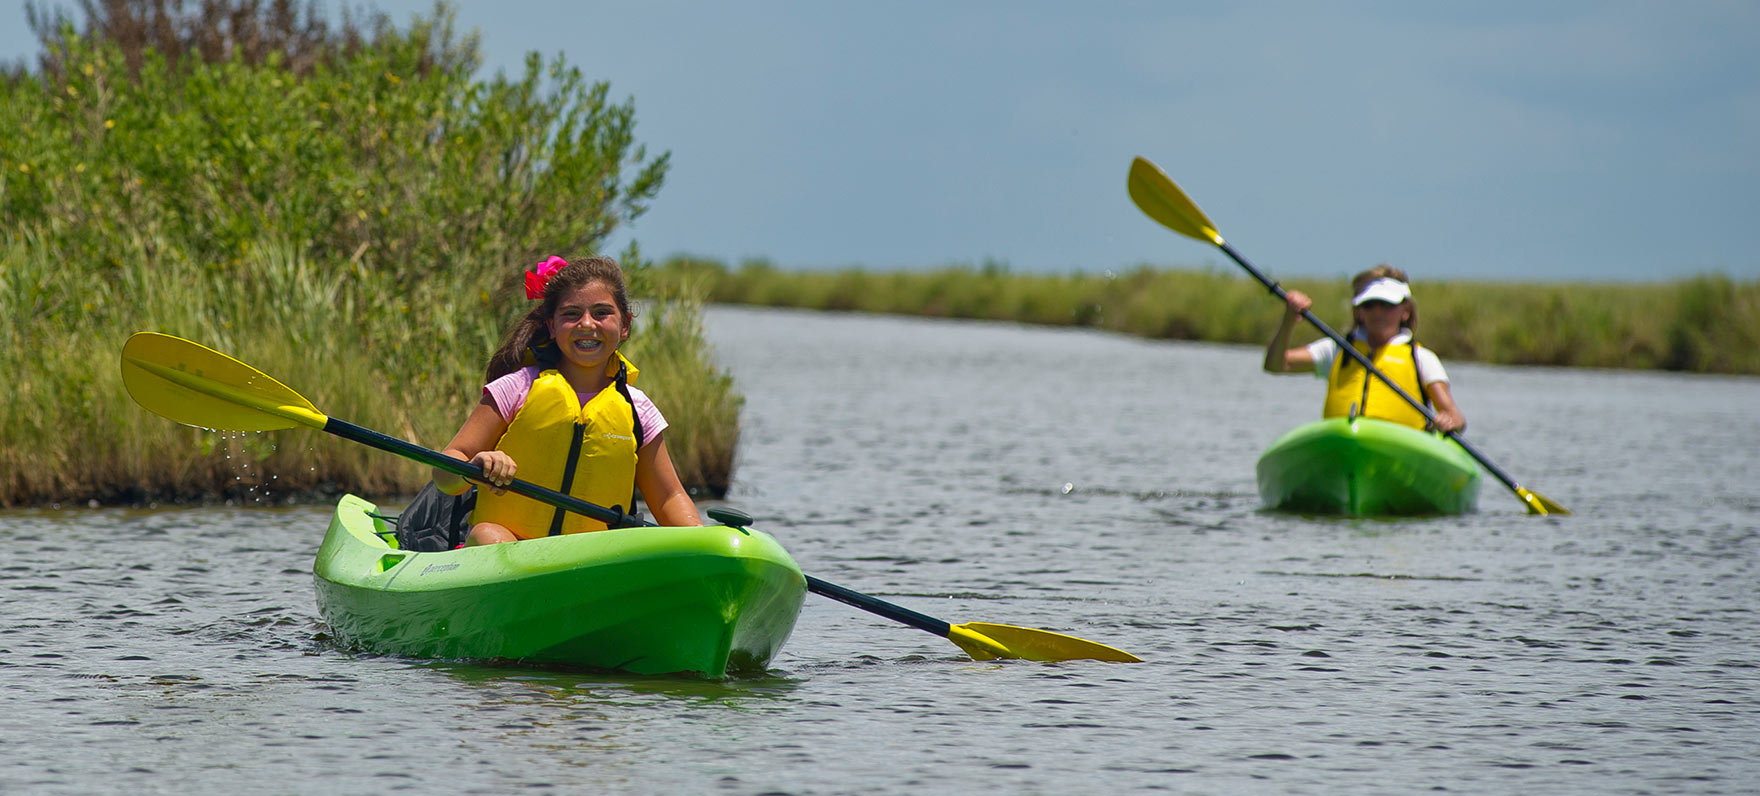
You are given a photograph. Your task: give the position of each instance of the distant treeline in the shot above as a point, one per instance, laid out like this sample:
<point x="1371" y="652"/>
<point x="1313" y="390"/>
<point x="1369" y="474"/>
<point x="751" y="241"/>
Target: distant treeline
<point x="347" y="208"/>
<point x="1703" y="324"/>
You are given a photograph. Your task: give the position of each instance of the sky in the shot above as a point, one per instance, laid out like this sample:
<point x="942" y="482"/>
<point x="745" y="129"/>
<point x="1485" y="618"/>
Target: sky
<point x="1519" y="140"/>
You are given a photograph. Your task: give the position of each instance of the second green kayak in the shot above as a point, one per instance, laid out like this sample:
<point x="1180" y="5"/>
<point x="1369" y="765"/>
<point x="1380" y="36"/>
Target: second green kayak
<point x="654" y="600"/>
<point x="1367" y="467"/>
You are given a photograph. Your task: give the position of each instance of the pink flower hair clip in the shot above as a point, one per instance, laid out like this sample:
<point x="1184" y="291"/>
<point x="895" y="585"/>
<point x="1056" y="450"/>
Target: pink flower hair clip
<point x="537" y="278"/>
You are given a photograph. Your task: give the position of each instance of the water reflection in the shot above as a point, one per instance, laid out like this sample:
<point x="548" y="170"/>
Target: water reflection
<point x="573" y="683"/>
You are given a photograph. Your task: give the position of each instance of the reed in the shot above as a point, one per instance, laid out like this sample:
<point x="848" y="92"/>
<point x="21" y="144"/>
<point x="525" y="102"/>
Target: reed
<point x="355" y="229"/>
<point x="679" y="372"/>
<point x="1702" y="324"/>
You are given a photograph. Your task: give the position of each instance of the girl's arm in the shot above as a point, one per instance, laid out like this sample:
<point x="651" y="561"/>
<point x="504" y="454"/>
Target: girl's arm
<point x="1448" y="416"/>
<point x="475" y="443"/>
<point x="661" y="489"/>
<point x="1279" y="357"/>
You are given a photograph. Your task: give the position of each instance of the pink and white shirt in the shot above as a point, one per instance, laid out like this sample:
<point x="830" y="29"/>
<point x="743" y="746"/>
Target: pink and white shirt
<point x="510" y="391"/>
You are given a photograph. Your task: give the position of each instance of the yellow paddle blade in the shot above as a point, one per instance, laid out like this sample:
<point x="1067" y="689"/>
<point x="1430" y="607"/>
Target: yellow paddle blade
<point x="1538" y="504"/>
<point x="985" y="641"/>
<point x="198" y="386"/>
<point x="977" y="645"/>
<point x="1159" y="197"/>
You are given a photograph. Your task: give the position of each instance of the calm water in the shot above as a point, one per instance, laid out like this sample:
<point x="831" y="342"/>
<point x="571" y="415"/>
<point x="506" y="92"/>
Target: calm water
<point x="1079" y="482"/>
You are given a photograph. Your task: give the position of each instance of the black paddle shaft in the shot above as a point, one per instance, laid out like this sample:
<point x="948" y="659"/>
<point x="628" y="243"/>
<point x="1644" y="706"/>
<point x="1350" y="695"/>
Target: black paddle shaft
<point x="610" y="516"/>
<point x="897" y="613"/>
<point x="1278" y="291"/>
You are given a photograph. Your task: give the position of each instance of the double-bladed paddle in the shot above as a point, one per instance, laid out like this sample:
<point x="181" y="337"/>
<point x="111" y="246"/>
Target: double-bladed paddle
<point x="198" y="386"/>
<point x="1162" y="200"/>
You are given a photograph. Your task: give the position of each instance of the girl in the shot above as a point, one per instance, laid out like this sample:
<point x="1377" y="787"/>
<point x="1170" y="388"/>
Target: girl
<point x="573" y="421"/>
<point x="1385" y="315"/>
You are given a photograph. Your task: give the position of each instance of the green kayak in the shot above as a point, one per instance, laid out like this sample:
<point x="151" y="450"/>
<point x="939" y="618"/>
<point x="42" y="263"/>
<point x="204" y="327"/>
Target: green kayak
<point x="1367" y="467"/>
<point x="699" y="601"/>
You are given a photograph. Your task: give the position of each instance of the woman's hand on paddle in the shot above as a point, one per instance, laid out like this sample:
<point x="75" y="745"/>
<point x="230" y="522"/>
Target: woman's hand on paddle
<point x="1279" y="357"/>
<point x="1297" y="301"/>
<point x="1448" y="415"/>
<point x="474" y="443"/>
<point x="498" y="468"/>
<point x="1450" y="420"/>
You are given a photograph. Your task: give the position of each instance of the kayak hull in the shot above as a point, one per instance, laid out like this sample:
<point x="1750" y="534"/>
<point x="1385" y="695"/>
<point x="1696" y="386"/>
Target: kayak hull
<point x="1364" y="467"/>
<point x="696" y="601"/>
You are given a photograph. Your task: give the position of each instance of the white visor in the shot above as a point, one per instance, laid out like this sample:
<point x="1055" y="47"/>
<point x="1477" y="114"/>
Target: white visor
<point x="1391" y="291"/>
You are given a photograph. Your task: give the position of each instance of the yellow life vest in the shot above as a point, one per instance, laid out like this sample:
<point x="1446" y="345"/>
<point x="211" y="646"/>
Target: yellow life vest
<point x="586" y="451"/>
<point x="1351" y="391"/>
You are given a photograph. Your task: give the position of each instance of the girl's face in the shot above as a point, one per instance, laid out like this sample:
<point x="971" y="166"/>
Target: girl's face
<point x="1382" y="319"/>
<point x="587" y="326"/>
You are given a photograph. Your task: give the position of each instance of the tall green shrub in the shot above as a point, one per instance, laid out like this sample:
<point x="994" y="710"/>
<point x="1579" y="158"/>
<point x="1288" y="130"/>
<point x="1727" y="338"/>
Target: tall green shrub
<point x="355" y="227"/>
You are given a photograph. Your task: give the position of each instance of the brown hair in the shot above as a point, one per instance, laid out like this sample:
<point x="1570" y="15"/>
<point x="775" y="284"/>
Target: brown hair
<point x="529" y="342"/>
<point x="1383" y="271"/>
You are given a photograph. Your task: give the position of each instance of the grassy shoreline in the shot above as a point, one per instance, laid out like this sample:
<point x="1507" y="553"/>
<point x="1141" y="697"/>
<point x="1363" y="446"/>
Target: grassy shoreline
<point x="1701" y="324"/>
<point x="74" y="437"/>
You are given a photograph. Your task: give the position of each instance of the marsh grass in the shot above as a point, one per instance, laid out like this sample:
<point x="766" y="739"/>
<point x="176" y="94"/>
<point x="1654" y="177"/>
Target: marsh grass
<point x="74" y="435"/>
<point x="679" y="372"/>
<point x="355" y="229"/>
<point x="1702" y="324"/>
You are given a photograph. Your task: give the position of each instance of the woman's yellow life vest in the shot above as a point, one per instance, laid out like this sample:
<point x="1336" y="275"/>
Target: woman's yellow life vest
<point x="586" y="451"/>
<point x="1351" y="391"/>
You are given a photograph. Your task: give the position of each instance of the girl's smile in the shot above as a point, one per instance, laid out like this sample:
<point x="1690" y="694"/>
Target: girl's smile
<point x="588" y="327"/>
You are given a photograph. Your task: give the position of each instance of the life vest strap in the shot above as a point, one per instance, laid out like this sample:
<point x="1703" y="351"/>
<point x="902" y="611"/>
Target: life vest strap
<point x="574" y="460"/>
